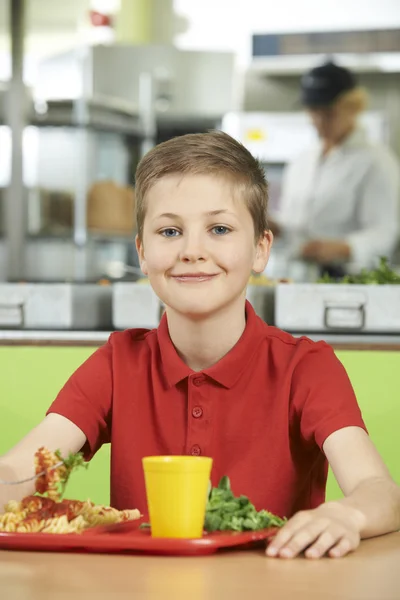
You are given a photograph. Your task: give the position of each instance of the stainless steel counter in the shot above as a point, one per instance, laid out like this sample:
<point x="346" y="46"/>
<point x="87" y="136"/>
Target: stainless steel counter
<point x="96" y="338"/>
<point x="22" y="337"/>
<point x="366" y="341"/>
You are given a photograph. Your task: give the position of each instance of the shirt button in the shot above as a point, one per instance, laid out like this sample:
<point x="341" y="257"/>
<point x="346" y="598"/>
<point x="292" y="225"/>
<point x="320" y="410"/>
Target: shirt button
<point x="198" y="381"/>
<point x="197" y="412"/>
<point x="195" y="450"/>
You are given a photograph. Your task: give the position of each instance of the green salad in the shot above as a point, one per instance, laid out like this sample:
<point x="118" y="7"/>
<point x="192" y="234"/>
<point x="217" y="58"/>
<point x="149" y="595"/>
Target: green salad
<point x="382" y="275"/>
<point x="225" y="512"/>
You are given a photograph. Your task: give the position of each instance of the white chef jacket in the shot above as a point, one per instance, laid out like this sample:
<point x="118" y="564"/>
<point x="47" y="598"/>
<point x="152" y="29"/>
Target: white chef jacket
<point x="351" y="194"/>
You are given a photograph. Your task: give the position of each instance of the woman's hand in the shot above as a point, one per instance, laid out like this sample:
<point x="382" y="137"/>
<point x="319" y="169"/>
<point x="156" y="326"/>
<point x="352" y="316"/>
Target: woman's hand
<point x="326" y="251"/>
<point x="333" y="528"/>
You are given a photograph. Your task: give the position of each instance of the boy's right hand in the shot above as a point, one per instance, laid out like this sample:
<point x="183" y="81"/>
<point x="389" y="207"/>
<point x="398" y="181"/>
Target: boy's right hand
<point x="54" y="432"/>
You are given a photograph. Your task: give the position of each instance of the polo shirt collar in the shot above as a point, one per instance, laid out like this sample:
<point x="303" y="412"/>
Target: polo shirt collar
<point x="227" y="370"/>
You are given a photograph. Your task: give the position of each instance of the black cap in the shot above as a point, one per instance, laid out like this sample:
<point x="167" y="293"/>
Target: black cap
<point x="322" y="85"/>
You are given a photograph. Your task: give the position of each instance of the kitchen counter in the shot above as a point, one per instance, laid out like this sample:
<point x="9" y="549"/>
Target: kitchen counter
<point x="8" y="337"/>
<point x="26" y="337"/>
<point x="360" y="341"/>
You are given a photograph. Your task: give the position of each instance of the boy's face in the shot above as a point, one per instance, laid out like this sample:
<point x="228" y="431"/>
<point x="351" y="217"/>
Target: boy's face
<point x="198" y="247"/>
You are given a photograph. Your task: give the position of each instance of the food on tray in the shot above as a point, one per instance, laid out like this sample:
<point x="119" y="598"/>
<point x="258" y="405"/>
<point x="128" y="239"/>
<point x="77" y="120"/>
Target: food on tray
<point x="47" y="512"/>
<point x="41" y="514"/>
<point x="54" y="471"/>
<point x="225" y="512"/>
<point x="382" y="275"/>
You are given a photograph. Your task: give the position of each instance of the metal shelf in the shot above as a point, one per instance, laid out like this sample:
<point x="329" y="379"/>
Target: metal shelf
<point x="90" y="114"/>
<point x="95" y="237"/>
<point x="93" y="114"/>
<point x="295" y="65"/>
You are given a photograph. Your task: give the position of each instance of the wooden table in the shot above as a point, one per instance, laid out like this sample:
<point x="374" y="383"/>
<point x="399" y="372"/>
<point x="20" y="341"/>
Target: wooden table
<point x="371" y="573"/>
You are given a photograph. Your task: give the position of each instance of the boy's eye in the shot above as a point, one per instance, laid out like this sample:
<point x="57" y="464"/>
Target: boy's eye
<point x="220" y="230"/>
<point x="169" y="232"/>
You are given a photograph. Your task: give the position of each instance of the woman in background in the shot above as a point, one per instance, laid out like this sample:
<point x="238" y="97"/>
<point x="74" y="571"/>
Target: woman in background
<point x="340" y="199"/>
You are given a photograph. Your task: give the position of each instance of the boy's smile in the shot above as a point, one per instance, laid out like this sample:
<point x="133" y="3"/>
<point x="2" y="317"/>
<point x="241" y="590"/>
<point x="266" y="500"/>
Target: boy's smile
<point x="198" y="246"/>
<point x="194" y="277"/>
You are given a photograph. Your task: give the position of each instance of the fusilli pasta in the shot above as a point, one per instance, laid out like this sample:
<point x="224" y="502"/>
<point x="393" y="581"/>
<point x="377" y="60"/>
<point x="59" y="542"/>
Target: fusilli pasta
<point x="69" y="516"/>
<point x="49" y="482"/>
<point x="47" y="513"/>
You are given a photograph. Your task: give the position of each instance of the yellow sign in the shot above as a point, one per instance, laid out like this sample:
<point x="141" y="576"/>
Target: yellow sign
<point x="255" y="135"/>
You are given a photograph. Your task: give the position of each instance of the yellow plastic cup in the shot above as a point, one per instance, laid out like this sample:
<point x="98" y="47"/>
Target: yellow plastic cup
<point x="176" y="489"/>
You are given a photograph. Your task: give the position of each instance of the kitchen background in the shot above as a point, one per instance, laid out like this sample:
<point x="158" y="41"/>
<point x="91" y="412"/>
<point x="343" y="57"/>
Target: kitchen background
<point x="87" y="87"/>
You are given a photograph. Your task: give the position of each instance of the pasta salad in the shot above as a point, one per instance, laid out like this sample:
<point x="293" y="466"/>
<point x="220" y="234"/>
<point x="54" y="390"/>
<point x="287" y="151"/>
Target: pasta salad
<point x="47" y="512"/>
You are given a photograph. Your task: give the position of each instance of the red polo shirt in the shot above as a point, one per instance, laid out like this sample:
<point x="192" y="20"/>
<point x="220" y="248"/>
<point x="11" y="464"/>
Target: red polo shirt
<point x="262" y="412"/>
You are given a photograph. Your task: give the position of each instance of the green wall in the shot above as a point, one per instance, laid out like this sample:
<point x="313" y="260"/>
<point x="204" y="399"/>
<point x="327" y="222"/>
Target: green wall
<point x="30" y="378"/>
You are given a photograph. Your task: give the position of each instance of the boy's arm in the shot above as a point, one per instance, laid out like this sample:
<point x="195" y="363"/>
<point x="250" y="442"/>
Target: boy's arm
<point x="371" y="505"/>
<point x="364" y="480"/>
<point x="54" y="432"/>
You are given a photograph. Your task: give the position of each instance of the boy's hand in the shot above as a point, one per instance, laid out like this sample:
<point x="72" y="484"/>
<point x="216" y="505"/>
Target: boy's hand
<point x="332" y="528"/>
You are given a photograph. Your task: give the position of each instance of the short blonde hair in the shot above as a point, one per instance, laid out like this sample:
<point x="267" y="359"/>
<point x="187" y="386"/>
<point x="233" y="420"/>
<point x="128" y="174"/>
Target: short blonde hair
<point x="213" y="153"/>
<point x="355" y="100"/>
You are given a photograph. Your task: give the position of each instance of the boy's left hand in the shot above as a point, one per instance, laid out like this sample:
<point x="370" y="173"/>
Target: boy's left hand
<point x="333" y="528"/>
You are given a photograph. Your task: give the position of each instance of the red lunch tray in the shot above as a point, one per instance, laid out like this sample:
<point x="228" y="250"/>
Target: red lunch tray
<point x="128" y="538"/>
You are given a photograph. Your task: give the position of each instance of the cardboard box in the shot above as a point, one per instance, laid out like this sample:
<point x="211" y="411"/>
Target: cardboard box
<point x="110" y="208"/>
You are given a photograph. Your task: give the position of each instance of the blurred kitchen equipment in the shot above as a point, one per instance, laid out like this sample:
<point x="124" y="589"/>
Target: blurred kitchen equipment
<point x="55" y="306"/>
<point x="182" y="79"/>
<point x="351" y="308"/>
<point x="135" y="305"/>
<point x="117" y="269"/>
<point x="262" y="299"/>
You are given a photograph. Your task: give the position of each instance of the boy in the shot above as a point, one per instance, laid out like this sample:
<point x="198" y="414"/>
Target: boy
<point x="214" y="379"/>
